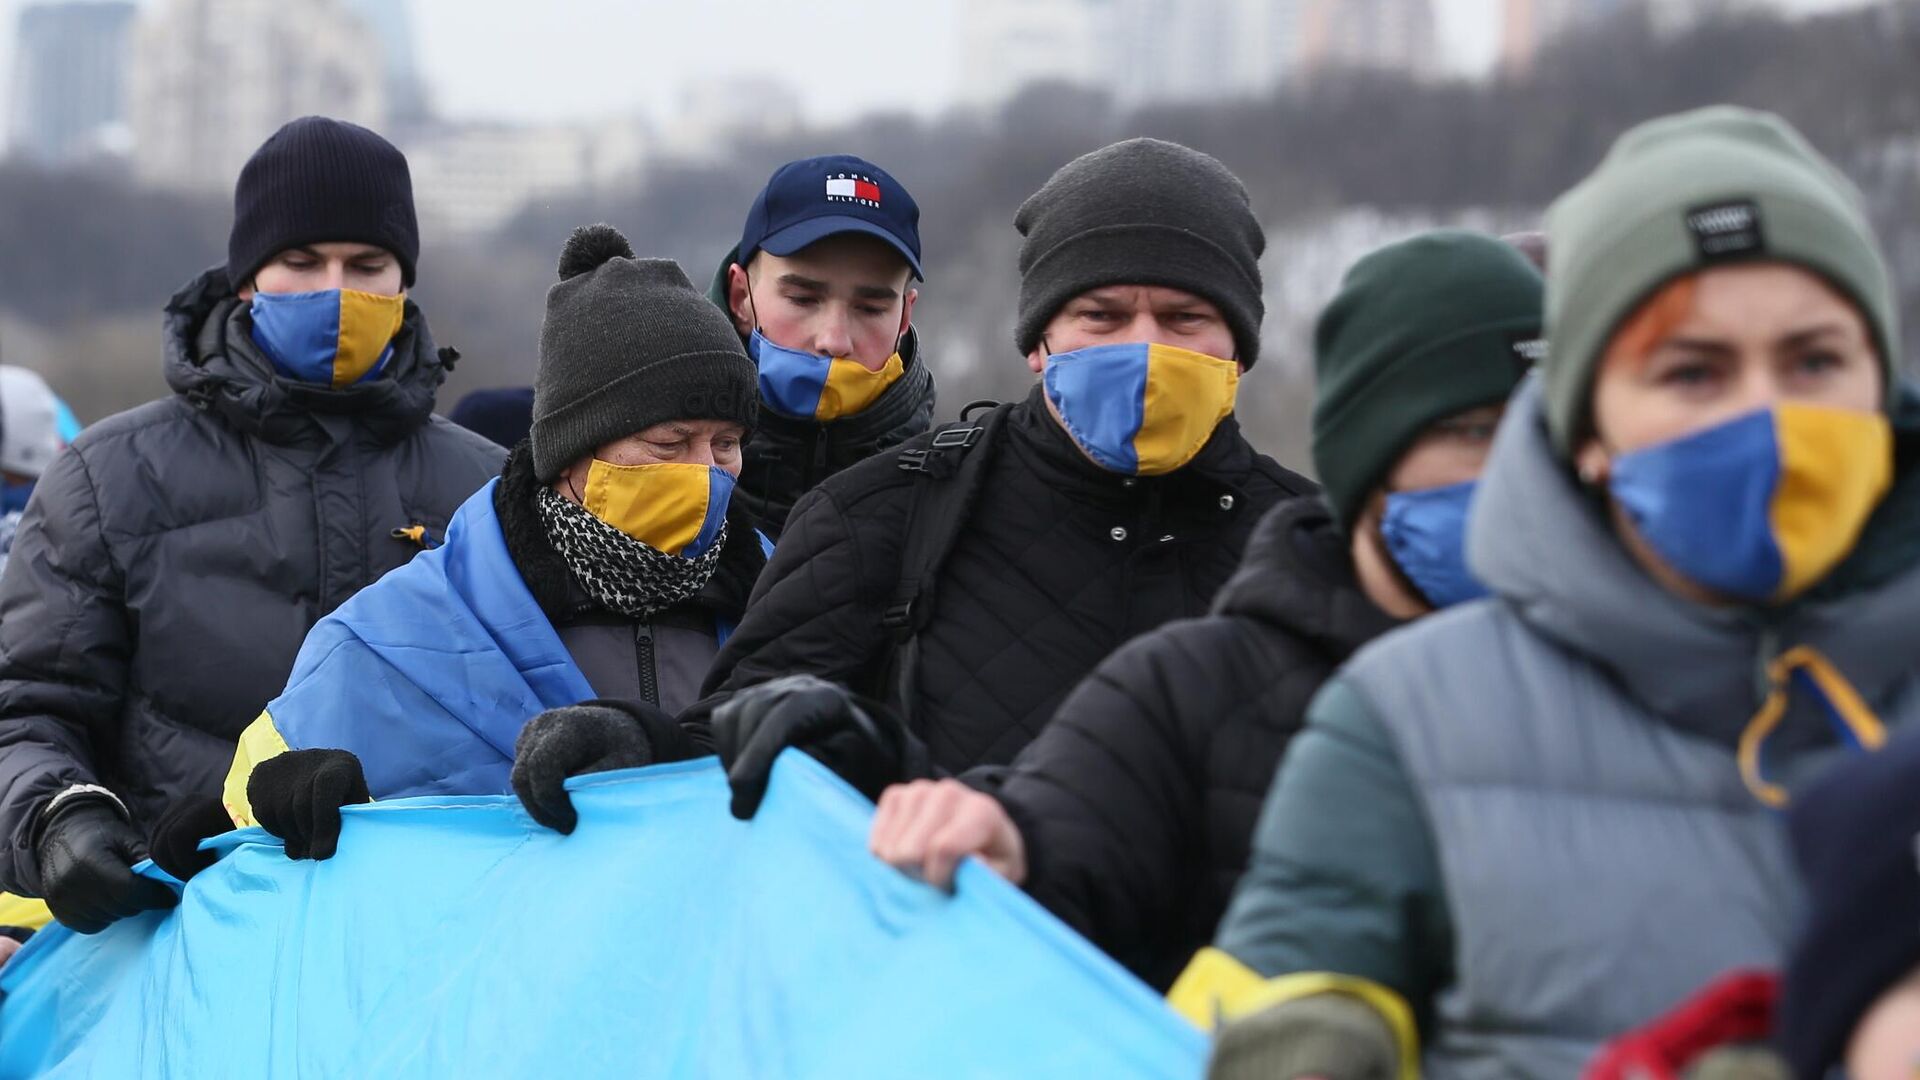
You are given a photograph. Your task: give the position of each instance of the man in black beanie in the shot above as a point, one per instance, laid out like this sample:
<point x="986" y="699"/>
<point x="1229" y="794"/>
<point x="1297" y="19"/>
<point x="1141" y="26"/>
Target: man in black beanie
<point x="575" y="605"/>
<point x="175" y="555"/>
<point x="929" y="609"/>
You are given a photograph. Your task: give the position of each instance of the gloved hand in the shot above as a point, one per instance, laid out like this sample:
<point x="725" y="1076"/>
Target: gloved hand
<point x="586" y="738"/>
<point x="1324" y="1037"/>
<point x="297" y="797"/>
<point x="85" y="850"/>
<point x="176" y="836"/>
<point x="864" y="744"/>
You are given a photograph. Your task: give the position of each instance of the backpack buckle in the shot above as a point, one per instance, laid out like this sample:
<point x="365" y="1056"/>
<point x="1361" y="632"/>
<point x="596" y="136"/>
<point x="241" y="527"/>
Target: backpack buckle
<point x="923" y="461"/>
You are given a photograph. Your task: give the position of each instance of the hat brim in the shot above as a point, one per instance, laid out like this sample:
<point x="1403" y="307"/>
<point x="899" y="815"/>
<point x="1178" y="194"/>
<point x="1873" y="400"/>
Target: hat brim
<point x="794" y="237"/>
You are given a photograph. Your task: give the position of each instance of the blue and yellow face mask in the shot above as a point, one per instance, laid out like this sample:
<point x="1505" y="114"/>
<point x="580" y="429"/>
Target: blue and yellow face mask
<point x="332" y="337"/>
<point x="1140" y="408"/>
<point x="1764" y="506"/>
<point x="808" y="386"/>
<point x="672" y="506"/>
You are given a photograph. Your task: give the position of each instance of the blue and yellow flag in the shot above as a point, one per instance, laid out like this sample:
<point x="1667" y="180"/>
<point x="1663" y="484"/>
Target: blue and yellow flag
<point x="452" y="936"/>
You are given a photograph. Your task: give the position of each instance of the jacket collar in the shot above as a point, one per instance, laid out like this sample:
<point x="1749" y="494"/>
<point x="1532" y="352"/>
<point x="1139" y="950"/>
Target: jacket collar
<point x="1297" y="577"/>
<point x="212" y="361"/>
<point x="1221" y="467"/>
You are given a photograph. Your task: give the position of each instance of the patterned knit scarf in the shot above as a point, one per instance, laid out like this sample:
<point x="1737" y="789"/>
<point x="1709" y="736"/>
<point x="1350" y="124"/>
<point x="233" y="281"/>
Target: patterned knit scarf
<point x="626" y="576"/>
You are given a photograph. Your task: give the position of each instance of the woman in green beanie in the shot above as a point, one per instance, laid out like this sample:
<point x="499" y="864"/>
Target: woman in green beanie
<point x="1527" y="825"/>
<point x="1131" y="814"/>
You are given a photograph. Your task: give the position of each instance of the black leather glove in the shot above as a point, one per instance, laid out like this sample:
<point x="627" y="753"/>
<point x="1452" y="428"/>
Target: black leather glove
<point x="593" y="736"/>
<point x="176" y="837"/>
<point x="85" y="850"/>
<point x="867" y="746"/>
<point x="297" y="797"/>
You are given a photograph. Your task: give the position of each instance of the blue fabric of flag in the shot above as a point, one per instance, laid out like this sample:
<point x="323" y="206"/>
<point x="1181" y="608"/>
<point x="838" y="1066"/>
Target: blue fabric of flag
<point x="454" y="937"/>
<point x="429" y="673"/>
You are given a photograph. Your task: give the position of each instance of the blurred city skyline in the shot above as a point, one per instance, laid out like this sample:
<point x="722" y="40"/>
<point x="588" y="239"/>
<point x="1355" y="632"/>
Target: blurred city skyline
<point x="574" y="61"/>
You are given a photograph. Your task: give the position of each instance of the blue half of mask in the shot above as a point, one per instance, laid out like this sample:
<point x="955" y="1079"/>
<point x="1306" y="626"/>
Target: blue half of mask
<point x="1426" y="533"/>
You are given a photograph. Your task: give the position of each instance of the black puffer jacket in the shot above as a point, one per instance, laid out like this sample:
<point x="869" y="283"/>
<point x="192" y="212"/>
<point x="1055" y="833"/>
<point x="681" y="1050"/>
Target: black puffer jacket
<point x="1059" y="564"/>
<point x="662" y="660"/>
<point x="787" y="458"/>
<point x="174" y="557"/>
<point x="1138" y="802"/>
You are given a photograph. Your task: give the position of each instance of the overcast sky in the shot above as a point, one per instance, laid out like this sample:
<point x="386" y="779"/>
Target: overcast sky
<point x="580" y="59"/>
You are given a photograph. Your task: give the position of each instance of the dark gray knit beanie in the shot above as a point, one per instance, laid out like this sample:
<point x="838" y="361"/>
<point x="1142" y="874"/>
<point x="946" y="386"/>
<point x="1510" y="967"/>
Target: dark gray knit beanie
<point x="628" y="344"/>
<point x="1141" y="212"/>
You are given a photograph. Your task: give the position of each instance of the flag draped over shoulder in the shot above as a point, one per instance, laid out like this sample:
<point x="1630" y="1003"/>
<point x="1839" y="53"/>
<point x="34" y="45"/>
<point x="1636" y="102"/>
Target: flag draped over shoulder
<point x="427" y="675"/>
<point x="452" y="936"/>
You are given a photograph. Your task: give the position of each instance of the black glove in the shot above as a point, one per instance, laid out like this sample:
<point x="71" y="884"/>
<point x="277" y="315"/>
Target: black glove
<point x="863" y="743"/>
<point x="297" y="797"/>
<point x="85" y="851"/>
<point x="176" y="836"/>
<point x="593" y="736"/>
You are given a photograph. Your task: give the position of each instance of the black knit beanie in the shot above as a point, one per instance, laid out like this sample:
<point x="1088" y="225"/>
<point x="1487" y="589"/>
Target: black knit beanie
<point x="1141" y="212"/>
<point x="1856" y="839"/>
<point x="319" y="180"/>
<point x="1420" y="330"/>
<point x="628" y="344"/>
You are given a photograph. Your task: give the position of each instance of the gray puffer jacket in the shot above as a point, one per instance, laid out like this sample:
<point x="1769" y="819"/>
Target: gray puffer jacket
<point x="175" y="555"/>
<point x="1526" y="815"/>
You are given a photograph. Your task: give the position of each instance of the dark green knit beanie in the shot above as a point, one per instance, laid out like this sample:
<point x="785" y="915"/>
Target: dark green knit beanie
<point x="1683" y="193"/>
<point x="1422" y="329"/>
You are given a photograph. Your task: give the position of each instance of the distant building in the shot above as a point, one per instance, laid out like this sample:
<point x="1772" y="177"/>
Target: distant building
<point x="715" y="114"/>
<point x="68" y="99"/>
<point x="213" y="78"/>
<point x="470" y="179"/>
<point x="392" y="22"/>
<point x="1395" y="34"/>
<point x="1008" y="45"/>
<point x="1140" y="51"/>
<point x="1528" y="26"/>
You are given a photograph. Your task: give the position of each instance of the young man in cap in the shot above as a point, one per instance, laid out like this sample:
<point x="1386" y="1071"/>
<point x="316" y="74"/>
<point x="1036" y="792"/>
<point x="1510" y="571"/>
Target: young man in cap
<point x="175" y="555"/>
<point x="820" y="288"/>
<point x="1117" y="496"/>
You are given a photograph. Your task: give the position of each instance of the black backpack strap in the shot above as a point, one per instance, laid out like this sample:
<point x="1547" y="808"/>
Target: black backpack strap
<point x="948" y="474"/>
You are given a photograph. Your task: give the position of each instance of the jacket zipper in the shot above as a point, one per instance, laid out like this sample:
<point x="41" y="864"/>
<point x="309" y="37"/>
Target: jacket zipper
<point x="643" y="656"/>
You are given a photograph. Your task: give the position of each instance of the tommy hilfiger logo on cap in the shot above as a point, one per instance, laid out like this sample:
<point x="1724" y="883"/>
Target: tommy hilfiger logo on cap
<point x="1725" y="230"/>
<point x="853" y="188"/>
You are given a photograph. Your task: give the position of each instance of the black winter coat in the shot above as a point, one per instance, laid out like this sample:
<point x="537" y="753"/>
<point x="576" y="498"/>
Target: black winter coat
<point x="172" y="559"/>
<point x="787" y="458"/>
<point x="1138" y="802"/>
<point x="1060" y="562"/>
<point x="660" y="661"/>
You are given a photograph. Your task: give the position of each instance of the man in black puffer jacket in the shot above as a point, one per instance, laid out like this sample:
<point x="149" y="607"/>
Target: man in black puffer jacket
<point x="820" y="287"/>
<point x="1118" y="496"/>
<point x="175" y="555"/>
<point x="1130" y="817"/>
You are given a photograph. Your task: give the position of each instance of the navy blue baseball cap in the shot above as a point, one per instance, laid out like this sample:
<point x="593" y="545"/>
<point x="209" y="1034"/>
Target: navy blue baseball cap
<point x="818" y="197"/>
